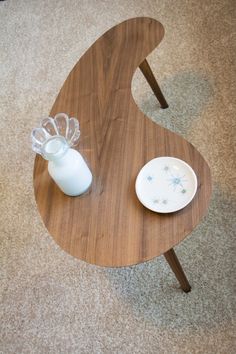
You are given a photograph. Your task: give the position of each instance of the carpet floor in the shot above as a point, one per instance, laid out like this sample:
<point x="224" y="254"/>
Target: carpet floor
<point x="53" y="303"/>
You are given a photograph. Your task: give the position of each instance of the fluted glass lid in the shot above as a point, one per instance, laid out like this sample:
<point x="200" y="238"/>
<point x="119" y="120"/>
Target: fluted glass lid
<point x="55" y="135"/>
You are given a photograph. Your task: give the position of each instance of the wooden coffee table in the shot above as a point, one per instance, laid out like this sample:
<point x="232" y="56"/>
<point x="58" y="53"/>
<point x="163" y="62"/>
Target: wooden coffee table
<point x="108" y="226"/>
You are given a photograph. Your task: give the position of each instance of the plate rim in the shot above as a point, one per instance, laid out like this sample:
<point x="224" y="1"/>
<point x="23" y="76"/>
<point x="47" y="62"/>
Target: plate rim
<point x="176" y="209"/>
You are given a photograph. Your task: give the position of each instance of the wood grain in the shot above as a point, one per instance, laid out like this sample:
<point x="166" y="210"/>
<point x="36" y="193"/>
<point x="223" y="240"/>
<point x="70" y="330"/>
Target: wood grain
<point x="108" y="226"/>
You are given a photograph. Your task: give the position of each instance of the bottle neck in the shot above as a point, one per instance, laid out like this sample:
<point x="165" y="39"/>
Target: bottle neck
<point x="59" y="161"/>
<point x="55" y="149"/>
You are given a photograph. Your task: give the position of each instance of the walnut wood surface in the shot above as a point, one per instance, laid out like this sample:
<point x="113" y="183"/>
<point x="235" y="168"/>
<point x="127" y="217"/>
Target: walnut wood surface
<point x="108" y="226"/>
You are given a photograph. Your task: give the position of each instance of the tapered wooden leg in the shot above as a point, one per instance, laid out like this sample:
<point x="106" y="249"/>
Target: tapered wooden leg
<point x="177" y="269"/>
<point x="147" y="72"/>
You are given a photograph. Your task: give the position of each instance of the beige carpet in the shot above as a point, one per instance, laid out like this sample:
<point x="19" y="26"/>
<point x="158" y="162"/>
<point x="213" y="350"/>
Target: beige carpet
<point x="53" y="303"/>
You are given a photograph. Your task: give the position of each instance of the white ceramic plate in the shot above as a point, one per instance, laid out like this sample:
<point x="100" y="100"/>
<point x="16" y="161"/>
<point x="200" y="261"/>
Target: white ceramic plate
<point x="166" y="184"/>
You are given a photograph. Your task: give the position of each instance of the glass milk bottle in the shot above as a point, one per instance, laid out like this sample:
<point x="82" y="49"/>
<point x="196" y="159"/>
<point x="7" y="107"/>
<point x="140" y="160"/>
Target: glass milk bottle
<point x="66" y="166"/>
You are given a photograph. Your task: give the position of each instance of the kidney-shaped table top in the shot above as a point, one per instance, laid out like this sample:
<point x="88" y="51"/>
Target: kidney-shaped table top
<point x="108" y="226"/>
